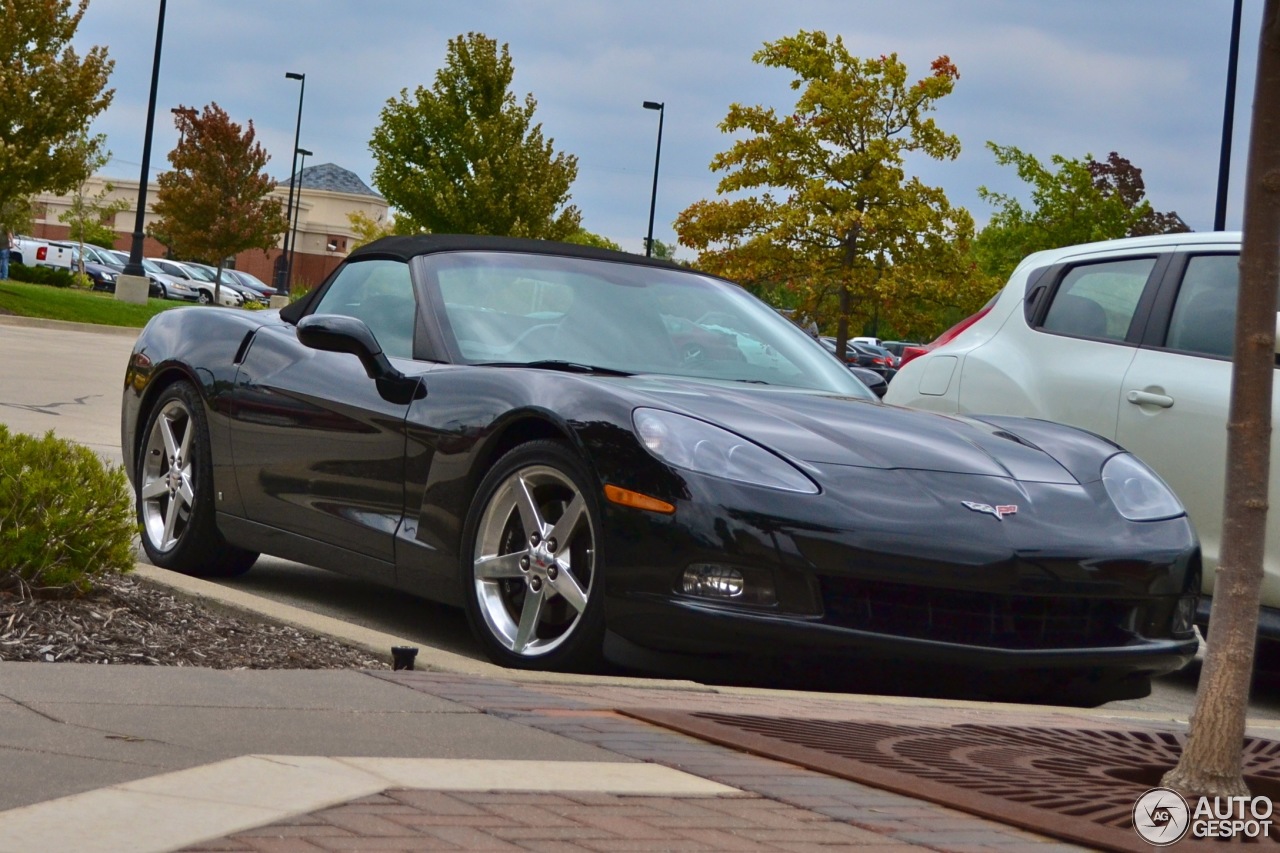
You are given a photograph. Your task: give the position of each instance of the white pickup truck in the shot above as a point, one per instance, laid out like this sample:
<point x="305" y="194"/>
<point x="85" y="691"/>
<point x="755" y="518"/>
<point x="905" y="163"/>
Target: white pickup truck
<point x="35" y="252"/>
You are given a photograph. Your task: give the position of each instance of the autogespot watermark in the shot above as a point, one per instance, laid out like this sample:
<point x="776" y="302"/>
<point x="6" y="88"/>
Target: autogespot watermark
<point x="1162" y="817"/>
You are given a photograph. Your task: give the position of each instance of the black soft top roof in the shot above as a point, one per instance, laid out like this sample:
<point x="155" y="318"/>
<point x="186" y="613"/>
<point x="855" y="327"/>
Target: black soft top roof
<point x="405" y="248"/>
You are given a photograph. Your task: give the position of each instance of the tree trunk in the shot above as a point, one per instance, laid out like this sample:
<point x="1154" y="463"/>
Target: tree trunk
<point x="217" y="286"/>
<point x="1211" y="764"/>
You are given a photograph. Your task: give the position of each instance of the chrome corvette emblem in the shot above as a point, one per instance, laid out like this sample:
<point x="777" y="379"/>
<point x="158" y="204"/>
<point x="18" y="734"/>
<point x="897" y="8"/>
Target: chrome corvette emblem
<point x="998" y="511"/>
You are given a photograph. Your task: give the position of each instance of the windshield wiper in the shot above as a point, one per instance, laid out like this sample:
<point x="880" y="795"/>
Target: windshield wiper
<point x="557" y="364"/>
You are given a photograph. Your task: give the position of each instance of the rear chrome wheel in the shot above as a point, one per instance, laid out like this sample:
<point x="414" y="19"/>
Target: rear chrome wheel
<point x="533" y="584"/>
<point x="165" y="491"/>
<point x="174" y="489"/>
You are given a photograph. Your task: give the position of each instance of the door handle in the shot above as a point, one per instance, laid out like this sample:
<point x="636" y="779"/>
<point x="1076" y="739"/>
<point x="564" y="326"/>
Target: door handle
<point x="1146" y="398"/>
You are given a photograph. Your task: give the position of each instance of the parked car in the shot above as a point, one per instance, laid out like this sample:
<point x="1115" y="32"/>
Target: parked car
<point x="252" y="282"/>
<point x="887" y="358"/>
<point x="200" y="282"/>
<point x="104" y="266"/>
<point x="522" y="428"/>
<point x="877" y="384"/>
<point x="228" y="281"/>
<point x="1131" y="339"/>
<point x="103" y="277"/>
<point x="34" y="252"/>
<point x="896" y="347"/>
<point x="865" y="355"/>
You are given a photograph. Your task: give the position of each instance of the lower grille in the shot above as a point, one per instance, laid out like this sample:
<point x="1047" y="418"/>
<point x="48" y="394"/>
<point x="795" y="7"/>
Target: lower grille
<point x="978" y="618"/>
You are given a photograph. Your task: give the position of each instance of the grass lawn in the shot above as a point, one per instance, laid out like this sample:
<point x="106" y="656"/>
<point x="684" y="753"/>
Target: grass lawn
<point x="79" y="306"/>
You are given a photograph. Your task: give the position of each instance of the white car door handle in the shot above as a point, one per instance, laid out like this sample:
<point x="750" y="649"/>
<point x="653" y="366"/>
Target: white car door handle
<point x="1146" y="398"/>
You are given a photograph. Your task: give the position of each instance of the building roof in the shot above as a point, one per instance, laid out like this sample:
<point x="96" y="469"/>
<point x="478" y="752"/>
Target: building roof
<point x="332" y="178"/>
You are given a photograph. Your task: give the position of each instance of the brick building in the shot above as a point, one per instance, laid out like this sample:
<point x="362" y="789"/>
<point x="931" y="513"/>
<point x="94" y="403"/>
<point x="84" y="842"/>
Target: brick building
<point x="323" y="196"/>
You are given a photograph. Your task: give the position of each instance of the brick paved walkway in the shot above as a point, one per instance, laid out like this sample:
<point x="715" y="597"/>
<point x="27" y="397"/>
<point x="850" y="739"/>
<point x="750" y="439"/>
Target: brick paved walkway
<point x="552" y="823"/>
<point x="782" y="808"/>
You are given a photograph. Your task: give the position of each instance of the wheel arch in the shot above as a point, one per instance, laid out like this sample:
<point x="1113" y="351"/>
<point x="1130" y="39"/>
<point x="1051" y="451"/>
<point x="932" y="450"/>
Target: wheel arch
<point x="168" y="375"/>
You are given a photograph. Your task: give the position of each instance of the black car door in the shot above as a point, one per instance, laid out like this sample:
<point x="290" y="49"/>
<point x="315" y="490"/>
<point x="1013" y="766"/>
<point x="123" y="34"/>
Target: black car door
<point x="318" y="451"/>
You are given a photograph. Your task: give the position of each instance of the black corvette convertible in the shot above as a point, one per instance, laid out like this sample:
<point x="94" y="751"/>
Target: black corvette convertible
<point x="601" y="455"/>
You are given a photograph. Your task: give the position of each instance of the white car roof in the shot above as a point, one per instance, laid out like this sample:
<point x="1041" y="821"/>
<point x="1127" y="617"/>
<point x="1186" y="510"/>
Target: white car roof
<point x="1129" y="244"/>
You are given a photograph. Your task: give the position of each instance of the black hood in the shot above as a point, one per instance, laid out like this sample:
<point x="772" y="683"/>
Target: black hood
<point x="828" y="429"/>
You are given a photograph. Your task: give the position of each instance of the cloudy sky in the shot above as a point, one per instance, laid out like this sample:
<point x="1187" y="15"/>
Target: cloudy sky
<point x="1145" y="78"/>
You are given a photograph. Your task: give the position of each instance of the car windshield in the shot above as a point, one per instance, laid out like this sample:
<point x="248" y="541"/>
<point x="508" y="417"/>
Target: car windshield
<point x="199" y="273"/>
<point x="518" y="309"/>
<point x="152" y="268"/>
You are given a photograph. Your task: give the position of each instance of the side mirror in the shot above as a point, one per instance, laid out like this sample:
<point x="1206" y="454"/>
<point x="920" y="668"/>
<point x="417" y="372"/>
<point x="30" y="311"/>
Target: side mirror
<point x="338" y="333"/>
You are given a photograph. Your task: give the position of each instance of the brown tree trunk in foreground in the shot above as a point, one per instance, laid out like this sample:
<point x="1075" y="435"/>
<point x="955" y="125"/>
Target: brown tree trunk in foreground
<point x="1210" y="766"/>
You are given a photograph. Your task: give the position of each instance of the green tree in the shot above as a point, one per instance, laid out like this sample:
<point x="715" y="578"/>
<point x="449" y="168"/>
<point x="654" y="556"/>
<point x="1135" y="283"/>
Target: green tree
<point x="216" y="201"/>
<point x="48" y="95"/>
<point x="466" y="158"/>
<point x="821" y="204"/>
<point x="87" y="215"/>
<point x="583" y="237"/>
<point x="1072" y="201"/>
<point x="368" y="229"/>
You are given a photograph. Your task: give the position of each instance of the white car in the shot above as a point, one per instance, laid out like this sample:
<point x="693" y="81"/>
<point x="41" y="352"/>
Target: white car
<point x="1131" y="339"/>
<point x="197" y="282"/>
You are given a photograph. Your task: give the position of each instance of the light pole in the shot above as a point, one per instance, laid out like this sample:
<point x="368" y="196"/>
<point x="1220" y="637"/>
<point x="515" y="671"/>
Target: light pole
<point x="1228" y="113"/>
<point x="134" y="267"/>
<point x="283" y="286"/>
<point x="304" y="154"/>
<point x="657" y="158"/>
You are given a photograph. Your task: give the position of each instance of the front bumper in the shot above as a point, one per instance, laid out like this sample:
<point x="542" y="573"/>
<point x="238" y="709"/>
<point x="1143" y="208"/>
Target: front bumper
<point x="890" y="566"/>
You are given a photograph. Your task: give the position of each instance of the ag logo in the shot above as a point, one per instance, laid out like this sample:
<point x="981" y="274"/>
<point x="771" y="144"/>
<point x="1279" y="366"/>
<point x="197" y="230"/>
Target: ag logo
<point x="1161" y="816"/>
<point x="998" y="511"/>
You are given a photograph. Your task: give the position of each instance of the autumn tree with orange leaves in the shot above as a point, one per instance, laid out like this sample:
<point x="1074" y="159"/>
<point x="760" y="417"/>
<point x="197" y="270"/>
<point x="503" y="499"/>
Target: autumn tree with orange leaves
<point x="216" y="201"/>
<point x="818" y="201"/>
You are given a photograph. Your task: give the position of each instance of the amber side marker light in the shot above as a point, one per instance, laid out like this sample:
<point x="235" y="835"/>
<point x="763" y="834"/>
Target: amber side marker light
<point x="626" y="497"/>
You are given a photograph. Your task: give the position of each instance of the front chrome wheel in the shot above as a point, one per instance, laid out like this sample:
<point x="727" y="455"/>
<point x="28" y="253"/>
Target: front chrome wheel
<point x="533" y="564"/>
<point x="167" y="488"/>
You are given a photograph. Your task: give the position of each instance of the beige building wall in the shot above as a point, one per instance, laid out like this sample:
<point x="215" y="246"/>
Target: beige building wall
<point x="324" y="234"/>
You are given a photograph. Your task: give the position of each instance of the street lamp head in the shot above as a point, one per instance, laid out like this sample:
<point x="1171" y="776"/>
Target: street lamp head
<point x="293" y="75"/>
<point x="653" y="105"/>
<point x="303" y="152"/>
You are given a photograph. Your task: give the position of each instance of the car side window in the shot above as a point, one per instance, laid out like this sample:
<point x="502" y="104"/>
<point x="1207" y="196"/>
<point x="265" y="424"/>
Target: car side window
<point x="379" y="292"/>
<point x="1204" y="314"/>
<point x="1099" y="300"/>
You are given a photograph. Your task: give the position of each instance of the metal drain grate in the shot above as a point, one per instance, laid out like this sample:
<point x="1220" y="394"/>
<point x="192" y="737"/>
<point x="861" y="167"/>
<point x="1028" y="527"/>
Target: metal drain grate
<point x="1075" y="784"/>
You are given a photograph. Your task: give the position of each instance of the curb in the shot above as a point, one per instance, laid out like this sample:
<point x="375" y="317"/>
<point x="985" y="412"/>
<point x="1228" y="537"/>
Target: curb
<point x="67" y="325"/>
<point x="248" y="605"/>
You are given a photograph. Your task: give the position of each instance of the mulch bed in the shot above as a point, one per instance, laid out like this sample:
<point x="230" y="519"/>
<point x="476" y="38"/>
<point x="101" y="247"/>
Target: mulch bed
<point x="127" y="621"/>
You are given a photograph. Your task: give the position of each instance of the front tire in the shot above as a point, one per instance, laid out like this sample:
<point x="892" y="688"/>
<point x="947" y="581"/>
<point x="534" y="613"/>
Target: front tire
<point x="531" y="569"/>
<point x="174" y="491"/>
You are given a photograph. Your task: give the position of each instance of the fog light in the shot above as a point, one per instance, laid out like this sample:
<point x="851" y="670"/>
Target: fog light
<point x="1184" y="615"/>
<point x="729" y="583"/>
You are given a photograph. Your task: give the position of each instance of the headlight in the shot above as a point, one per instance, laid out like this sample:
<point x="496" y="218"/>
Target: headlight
<point x="106" y="276"/>
<point x="699" y="446"/>
<point x="1138" y="493"/>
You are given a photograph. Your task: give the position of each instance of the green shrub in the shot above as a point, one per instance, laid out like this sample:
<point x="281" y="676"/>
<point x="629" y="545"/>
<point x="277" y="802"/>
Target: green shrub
<point x="65" y="515"/>
<point x="41" y="275"/>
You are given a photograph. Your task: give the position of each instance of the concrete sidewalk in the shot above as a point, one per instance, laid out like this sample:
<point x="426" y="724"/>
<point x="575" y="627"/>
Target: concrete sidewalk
<point x="458" y="754"/>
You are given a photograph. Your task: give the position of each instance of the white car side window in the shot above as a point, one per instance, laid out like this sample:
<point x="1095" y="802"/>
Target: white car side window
<point x="1204" y="315"/>
<point x="1099" y="300"/>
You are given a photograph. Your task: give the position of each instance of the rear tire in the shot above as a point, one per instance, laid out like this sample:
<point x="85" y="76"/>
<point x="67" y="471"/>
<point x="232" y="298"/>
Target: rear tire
<point x="174" y="491"/>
